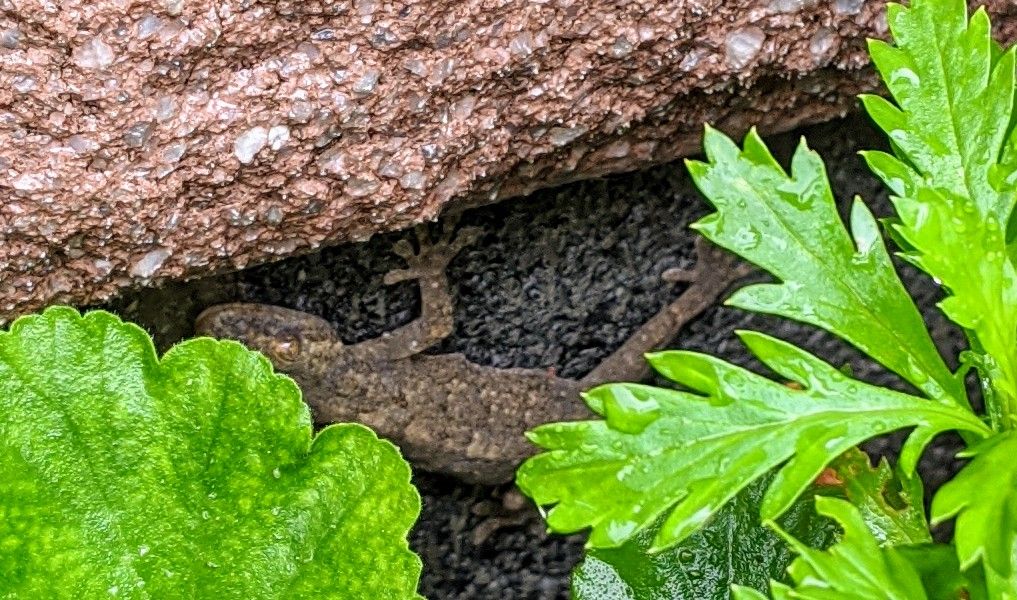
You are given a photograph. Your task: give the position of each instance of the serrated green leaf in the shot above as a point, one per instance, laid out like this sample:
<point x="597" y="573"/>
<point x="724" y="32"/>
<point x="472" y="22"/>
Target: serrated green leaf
<point x="193" y="476"/>
<point x="856" y="568"/>
<point x="733" y="548"/>
<point x="954" y="98"/>
<point x="954" y="178"/>
<point x="789" y="226"/>
<point x="891" y="506"/>
<point x="983" y="498"/>
<point x="739" y="592"/>
<point x="699" y="452"/>
<point x="940" y="572"/>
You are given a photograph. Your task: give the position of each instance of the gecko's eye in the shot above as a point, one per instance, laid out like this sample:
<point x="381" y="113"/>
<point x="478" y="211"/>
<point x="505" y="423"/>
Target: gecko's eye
<point x="285" y="349"/>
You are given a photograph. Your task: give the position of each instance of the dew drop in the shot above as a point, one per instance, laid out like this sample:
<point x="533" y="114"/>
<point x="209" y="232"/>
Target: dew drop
<point x="619" y="531"/>
<point x="81" y="144"/>
<point x="359" y="187"/>
<point x="150" y="262"/>
<point x="561" y="136"/>
<point x="278" y="136"/>
<point x="743" y="45"/>
<point x="821" y="44"/>
<point x="10" y="38"/>
<point x="848" y="7"/>
<point x="789" y="6"/>
<point x="367" y="82"/>
<point x="622" y="47"/>
<point x="627" y="413"/>
<point x="93" y="54"/>
<point x="414" y="180"/>
<point x="138" y="135"/>
<point x="174" y="152"/>
<point x="906" y="74"/>
<point x="746" y="238"/>
<point x="249" y="144"/>
<point x="148" y="26"/>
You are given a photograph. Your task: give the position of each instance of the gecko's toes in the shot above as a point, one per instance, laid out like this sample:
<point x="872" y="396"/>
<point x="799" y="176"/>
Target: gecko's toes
<point x="423" y="233"/>
<point x="398" y="275"/>
<point x="467" y="236"/>
<point x="678" y="275"/>
<point x="404" y="249"/>
<point x="448" y="225"/>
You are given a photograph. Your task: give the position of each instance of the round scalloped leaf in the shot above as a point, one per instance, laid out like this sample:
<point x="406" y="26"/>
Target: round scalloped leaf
<point x="194" y="476"/>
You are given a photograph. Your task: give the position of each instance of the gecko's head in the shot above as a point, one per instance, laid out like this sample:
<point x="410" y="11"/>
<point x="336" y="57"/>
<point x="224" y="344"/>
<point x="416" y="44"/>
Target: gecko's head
<point x="287" y="337"/>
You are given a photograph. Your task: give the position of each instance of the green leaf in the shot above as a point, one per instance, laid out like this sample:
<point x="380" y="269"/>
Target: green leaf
<point x="954" y="96"/>
<point x="954" y="178"/>
<point x="854" y="568"/>
<point x="193" y="476"/>
<point x="844" y="283"/>
<point x="734" y="548"/>
<point x="942" y="578"/>
<point x="698" y="452"/>
<point x="891" y="506"/>
<point x="983" y="497"/>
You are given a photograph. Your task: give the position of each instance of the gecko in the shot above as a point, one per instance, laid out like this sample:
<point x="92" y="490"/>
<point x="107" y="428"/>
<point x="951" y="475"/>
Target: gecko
<point x="446" y="413"/>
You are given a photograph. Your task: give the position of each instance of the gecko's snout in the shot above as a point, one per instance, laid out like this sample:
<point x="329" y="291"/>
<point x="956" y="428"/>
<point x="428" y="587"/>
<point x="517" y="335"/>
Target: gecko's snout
<point x="278" y="332"/>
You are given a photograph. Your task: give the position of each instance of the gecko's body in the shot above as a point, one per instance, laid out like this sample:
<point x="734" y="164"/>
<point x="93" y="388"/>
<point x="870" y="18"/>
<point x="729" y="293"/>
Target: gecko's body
<point x="446" y="413"/>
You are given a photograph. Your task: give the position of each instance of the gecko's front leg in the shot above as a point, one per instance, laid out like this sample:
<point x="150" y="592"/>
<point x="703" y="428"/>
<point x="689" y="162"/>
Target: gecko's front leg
<point x="427" y="265"/>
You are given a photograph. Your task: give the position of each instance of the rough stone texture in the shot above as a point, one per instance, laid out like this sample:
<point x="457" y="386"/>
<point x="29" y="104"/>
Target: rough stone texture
<point x="144" y="140"/>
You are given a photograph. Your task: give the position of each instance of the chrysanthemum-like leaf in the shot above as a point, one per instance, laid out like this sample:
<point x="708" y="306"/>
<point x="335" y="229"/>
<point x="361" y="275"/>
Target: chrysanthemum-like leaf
<point x="734" y="548"/>
<point x="844" y="283"/>
<point x="891" y="506"/>
<point x="954" y="176"/>
<point x="194" y="476"/>
<point x="662" y="451"/>
<point x="983" y="498"/>
<point x="857" y="567"/>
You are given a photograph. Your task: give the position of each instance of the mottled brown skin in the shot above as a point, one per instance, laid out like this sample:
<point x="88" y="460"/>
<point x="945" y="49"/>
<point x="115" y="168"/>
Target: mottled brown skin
<point x="447" y="414"/>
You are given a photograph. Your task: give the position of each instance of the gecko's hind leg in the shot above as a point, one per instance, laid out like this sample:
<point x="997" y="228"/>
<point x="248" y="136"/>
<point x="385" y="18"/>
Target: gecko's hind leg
<point x="514" y="510"/>
<point x="426" y="264"/>
<point x="714" y="272"/>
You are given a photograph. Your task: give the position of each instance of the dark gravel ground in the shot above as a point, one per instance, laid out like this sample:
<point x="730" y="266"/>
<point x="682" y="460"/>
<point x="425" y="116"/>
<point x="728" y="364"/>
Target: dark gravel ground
<point x="559" y="280"/>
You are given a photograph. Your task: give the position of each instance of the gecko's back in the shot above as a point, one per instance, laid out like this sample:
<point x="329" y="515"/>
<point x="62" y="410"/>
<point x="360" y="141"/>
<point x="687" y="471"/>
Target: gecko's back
<point x="446" y="413"/>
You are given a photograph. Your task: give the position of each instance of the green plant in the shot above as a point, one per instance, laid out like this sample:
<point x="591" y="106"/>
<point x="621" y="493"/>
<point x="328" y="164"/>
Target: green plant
<point x="190" y="476"/>
<point x="672" y="459"/>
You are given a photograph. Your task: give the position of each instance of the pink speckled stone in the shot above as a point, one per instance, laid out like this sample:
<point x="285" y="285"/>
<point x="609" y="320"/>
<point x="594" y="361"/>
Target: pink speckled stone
<point x="151" y="139"/>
